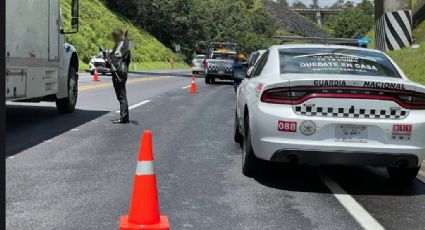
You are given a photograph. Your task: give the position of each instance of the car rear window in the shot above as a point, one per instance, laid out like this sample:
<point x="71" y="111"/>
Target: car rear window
<point x="335" y="61"/>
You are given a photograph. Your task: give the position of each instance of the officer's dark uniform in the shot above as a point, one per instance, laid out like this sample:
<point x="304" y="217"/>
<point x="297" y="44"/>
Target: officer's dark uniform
<point x="120" y="59"/>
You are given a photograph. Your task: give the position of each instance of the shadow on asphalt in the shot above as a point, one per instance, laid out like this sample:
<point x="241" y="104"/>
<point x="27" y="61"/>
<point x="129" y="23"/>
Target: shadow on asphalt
<point x="28" y="126"/>
<point x="354" y="180"/>
<point x="218" y="82"/>
<point x="300" y="178"/>
<point x="373" y="181"/>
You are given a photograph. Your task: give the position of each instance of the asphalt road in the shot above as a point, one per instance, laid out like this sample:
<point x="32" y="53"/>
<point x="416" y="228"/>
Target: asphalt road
<point x="75" y="171"/>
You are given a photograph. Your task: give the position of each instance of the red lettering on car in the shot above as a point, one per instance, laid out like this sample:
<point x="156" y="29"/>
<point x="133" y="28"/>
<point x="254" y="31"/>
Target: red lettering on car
<point x="287" y="126"/>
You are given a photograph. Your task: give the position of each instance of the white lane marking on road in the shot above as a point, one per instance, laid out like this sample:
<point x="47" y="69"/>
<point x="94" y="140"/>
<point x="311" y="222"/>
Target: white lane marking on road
<point x="48" y="141"/>
<point x="11" y="157"/>
<point x="364" y="218"/>
<point x="186" y="87"/>
<point x="75" y="130"/>
<point x="136" y="105"/>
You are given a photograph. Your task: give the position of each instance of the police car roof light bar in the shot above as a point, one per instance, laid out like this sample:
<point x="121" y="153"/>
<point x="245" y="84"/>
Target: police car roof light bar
<point x="322" y="40"/>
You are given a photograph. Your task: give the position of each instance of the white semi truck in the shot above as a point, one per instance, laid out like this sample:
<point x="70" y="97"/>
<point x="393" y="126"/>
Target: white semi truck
<point x="40" y="65"/>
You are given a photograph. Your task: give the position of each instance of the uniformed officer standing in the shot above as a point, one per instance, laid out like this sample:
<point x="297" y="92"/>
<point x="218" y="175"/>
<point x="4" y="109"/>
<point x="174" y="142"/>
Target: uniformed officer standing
<point x="120" y="60"/>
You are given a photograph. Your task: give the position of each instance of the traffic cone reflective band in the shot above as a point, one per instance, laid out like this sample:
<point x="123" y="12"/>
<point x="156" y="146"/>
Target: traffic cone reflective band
<point x="96" y="75"/>
<point x="144" y="205"/>
<point x="193" y="86"/>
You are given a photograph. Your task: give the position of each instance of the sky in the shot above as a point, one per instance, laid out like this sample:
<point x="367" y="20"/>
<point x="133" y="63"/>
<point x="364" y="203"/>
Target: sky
<point x="322" y="2"/>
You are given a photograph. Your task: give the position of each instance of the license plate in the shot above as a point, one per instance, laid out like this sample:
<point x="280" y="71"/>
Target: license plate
<point x="351" y="133"/>
<point x="221" y="72"/>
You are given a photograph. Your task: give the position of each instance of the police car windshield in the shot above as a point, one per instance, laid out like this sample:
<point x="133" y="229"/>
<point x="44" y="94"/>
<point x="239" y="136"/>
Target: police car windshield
<point x="335" y="61"/>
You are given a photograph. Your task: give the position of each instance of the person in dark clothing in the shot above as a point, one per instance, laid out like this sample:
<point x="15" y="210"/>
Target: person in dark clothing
<point x="120" y="60"/>
<point x="239" y="70"/>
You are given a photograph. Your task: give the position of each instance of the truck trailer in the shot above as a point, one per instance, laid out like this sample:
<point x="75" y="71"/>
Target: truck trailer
<point x="40" y="65"/>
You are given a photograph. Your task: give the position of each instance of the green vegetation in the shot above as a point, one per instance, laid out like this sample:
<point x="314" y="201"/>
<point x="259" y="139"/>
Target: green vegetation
<point x="353" y="22"/>
<point x="155" y="65"/>
<point x="412" y="61"/>
<point x="96" y="24"/>
<point x="419" y="33"/>
<point x="195" y="23"/>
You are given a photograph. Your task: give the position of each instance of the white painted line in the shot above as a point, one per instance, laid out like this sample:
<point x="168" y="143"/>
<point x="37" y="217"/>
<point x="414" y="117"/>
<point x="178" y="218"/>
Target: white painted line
<point x="186" y="87"/>
<point x="75" y="130"/>
<point x="355" y="209"/>
<point x="48" y="141"/>
<point x="136" y="105"/>
<point x="11" y="157"/>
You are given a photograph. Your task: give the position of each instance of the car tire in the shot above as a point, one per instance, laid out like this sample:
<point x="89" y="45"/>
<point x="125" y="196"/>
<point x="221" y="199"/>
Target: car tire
<point x="207" y="79"/>
<point x="403" y="174"/>
<point x="212" y="80"/>
<point x="250" y="163"/>
<point x="67" y="104"/>
<point x="92" y="72"/>
<point x="238" y="137"/>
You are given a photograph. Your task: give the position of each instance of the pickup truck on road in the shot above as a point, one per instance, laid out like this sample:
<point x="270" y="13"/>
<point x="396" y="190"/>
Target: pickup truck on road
<point x="219" y="61"/>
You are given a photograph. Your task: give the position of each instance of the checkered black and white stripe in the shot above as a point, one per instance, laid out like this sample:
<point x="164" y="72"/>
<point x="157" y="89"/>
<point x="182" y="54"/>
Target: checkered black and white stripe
<point x="350" y="112"/>
<point x="217" y="68"/>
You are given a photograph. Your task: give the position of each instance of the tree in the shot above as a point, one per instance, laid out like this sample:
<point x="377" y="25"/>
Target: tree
<point x="298" y="4"/>
<point x="282" y="3"/>
<point x="315" y="4"/>
<point x="195" y="23"/>
<point x="339" y="4"/>
<point x="351" y="23"/>
<point x="367" y="7"/>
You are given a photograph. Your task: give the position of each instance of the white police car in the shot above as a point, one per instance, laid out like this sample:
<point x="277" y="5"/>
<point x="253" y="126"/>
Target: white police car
<point x="330" y="104"/>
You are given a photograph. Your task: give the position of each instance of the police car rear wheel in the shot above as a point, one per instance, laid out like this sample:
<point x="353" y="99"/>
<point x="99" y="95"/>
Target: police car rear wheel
<point x="403" y="174"/>
<point x="207" y="79"/>
<point x="250" y="163"/>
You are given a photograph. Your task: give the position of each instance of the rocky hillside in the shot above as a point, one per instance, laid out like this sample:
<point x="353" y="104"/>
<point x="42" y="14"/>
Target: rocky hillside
<point x="294" y="23"/>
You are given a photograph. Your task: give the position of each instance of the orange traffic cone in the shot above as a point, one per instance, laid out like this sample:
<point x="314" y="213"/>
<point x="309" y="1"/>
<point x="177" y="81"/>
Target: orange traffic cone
<point x="96" y="75"/>
<point x="193" y="86"/>
<point x="144" y="206"/>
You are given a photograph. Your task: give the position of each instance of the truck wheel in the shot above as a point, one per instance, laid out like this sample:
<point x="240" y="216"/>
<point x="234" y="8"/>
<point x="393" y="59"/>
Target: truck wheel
<point x="67" y="104"/>
<point x="403" y="174"/>
<point x="250" y="163"/>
